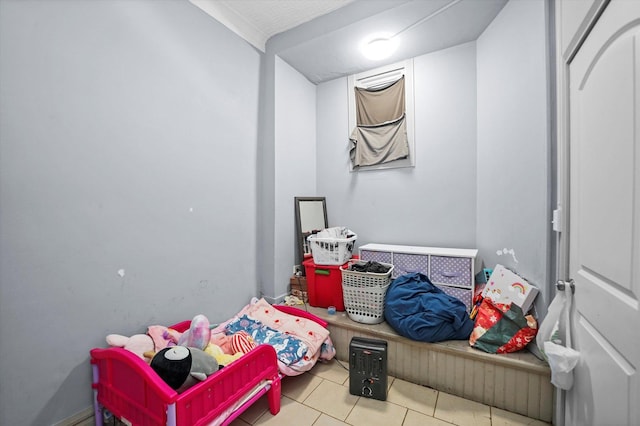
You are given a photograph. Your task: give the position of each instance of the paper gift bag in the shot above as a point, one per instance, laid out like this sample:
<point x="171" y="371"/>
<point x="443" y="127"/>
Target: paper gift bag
<point x="501" y="328"/>
<point x="506" y="287"/>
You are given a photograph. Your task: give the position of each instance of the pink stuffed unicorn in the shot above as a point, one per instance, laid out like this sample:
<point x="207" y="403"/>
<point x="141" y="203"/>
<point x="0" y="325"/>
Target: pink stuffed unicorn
<point x="198" y="335"/>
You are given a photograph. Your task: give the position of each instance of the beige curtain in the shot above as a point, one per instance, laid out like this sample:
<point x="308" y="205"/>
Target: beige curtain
<point x="379" y="144"/>
<point x="376" y="106"/>
<point x="380" y="135"/>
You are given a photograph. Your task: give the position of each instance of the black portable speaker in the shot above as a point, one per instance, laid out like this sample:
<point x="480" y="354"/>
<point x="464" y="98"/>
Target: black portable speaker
<point x="368" y="368"/>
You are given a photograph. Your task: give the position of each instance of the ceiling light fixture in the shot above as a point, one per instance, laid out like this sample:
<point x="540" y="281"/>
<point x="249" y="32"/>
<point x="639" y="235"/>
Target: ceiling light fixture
<point x="381" y="46"/>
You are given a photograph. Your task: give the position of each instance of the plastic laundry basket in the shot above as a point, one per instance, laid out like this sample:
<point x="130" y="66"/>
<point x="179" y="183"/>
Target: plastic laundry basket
<point x="331" y="251"/>
<point x="364" y="293"/>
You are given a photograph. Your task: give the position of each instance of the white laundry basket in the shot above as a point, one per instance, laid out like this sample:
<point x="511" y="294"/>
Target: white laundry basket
<point x="331" y="251"/>
<point x="364" y="293"/>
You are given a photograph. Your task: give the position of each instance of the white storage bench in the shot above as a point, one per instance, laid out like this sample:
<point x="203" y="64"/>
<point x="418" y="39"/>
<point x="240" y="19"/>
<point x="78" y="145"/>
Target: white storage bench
<point x="450" y="269"/>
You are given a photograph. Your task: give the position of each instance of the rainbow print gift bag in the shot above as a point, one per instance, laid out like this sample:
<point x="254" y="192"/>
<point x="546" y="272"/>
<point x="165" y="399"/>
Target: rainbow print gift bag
<point x="506" y="287"/>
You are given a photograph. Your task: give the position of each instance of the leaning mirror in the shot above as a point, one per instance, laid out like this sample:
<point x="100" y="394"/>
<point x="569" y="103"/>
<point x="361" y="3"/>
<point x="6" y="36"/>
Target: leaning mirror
<point x="311" y="217"/>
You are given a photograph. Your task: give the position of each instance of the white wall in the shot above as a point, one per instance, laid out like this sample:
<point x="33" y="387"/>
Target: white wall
<point x="295" y="164"/>
<point x="513" y="142"/>
<point x="482" y="175"/>
<point x="126" y="143"/>
<point x="435" y="202"/>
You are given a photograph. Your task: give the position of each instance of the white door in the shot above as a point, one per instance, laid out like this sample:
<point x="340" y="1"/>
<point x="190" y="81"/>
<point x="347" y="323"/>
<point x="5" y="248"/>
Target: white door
<point x="604" y="229"/>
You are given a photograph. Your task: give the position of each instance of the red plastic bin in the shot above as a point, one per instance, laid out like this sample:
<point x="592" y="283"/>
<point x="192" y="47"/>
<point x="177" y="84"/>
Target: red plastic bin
<point x="324" y="285"/>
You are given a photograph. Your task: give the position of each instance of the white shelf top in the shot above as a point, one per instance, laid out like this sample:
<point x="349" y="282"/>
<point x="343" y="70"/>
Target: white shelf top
<point x="436" y="251"/>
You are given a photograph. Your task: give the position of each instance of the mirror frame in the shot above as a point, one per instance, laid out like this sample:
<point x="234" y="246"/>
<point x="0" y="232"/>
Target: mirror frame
<point x="301" y="237"/>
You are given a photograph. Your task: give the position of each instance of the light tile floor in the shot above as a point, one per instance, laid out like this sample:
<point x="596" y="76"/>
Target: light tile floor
<point x="321" y="397"/>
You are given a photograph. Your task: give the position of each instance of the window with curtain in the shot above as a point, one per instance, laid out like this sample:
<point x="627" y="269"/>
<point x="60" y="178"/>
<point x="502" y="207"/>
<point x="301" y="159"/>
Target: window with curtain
<point x="381" y="118"/>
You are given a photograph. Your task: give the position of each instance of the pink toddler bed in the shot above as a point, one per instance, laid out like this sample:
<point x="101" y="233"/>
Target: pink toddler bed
<point x="127" y="386"/>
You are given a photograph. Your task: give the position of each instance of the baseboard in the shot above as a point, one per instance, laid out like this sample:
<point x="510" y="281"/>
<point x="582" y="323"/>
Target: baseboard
<point x="275" y="300"/>
<point x="82" y="418"/>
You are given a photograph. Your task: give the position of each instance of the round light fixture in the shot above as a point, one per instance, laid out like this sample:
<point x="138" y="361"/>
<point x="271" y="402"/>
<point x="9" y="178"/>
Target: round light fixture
<point x="379" y="46"/>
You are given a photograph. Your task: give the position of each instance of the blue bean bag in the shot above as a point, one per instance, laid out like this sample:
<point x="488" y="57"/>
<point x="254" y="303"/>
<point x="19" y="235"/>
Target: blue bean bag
<point x="418" y="310"/>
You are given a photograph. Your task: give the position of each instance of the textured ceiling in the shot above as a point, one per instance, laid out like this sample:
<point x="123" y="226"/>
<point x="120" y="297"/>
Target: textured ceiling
<point x="258" y="20"/>
<point x="321" y="38"/>
<point x="432" y="26"/>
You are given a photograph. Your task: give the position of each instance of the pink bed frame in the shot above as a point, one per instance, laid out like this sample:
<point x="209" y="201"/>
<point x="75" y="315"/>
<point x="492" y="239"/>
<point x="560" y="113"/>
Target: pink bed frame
<point x="126" y="385"/>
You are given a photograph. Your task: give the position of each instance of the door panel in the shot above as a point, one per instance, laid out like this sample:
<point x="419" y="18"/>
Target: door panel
<point x="604" y="237"/>
<point x="619" y="378"/>
<point x="605" y="97"/>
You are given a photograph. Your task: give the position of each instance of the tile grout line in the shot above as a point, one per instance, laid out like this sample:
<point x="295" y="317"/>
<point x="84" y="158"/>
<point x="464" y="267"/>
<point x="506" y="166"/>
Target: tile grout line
<point x="335" y="379"/>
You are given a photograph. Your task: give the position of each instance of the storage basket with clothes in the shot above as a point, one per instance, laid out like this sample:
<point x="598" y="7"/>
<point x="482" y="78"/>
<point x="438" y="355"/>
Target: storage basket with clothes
<point x="332" y="246"/>
<point x="364" y="287"/>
